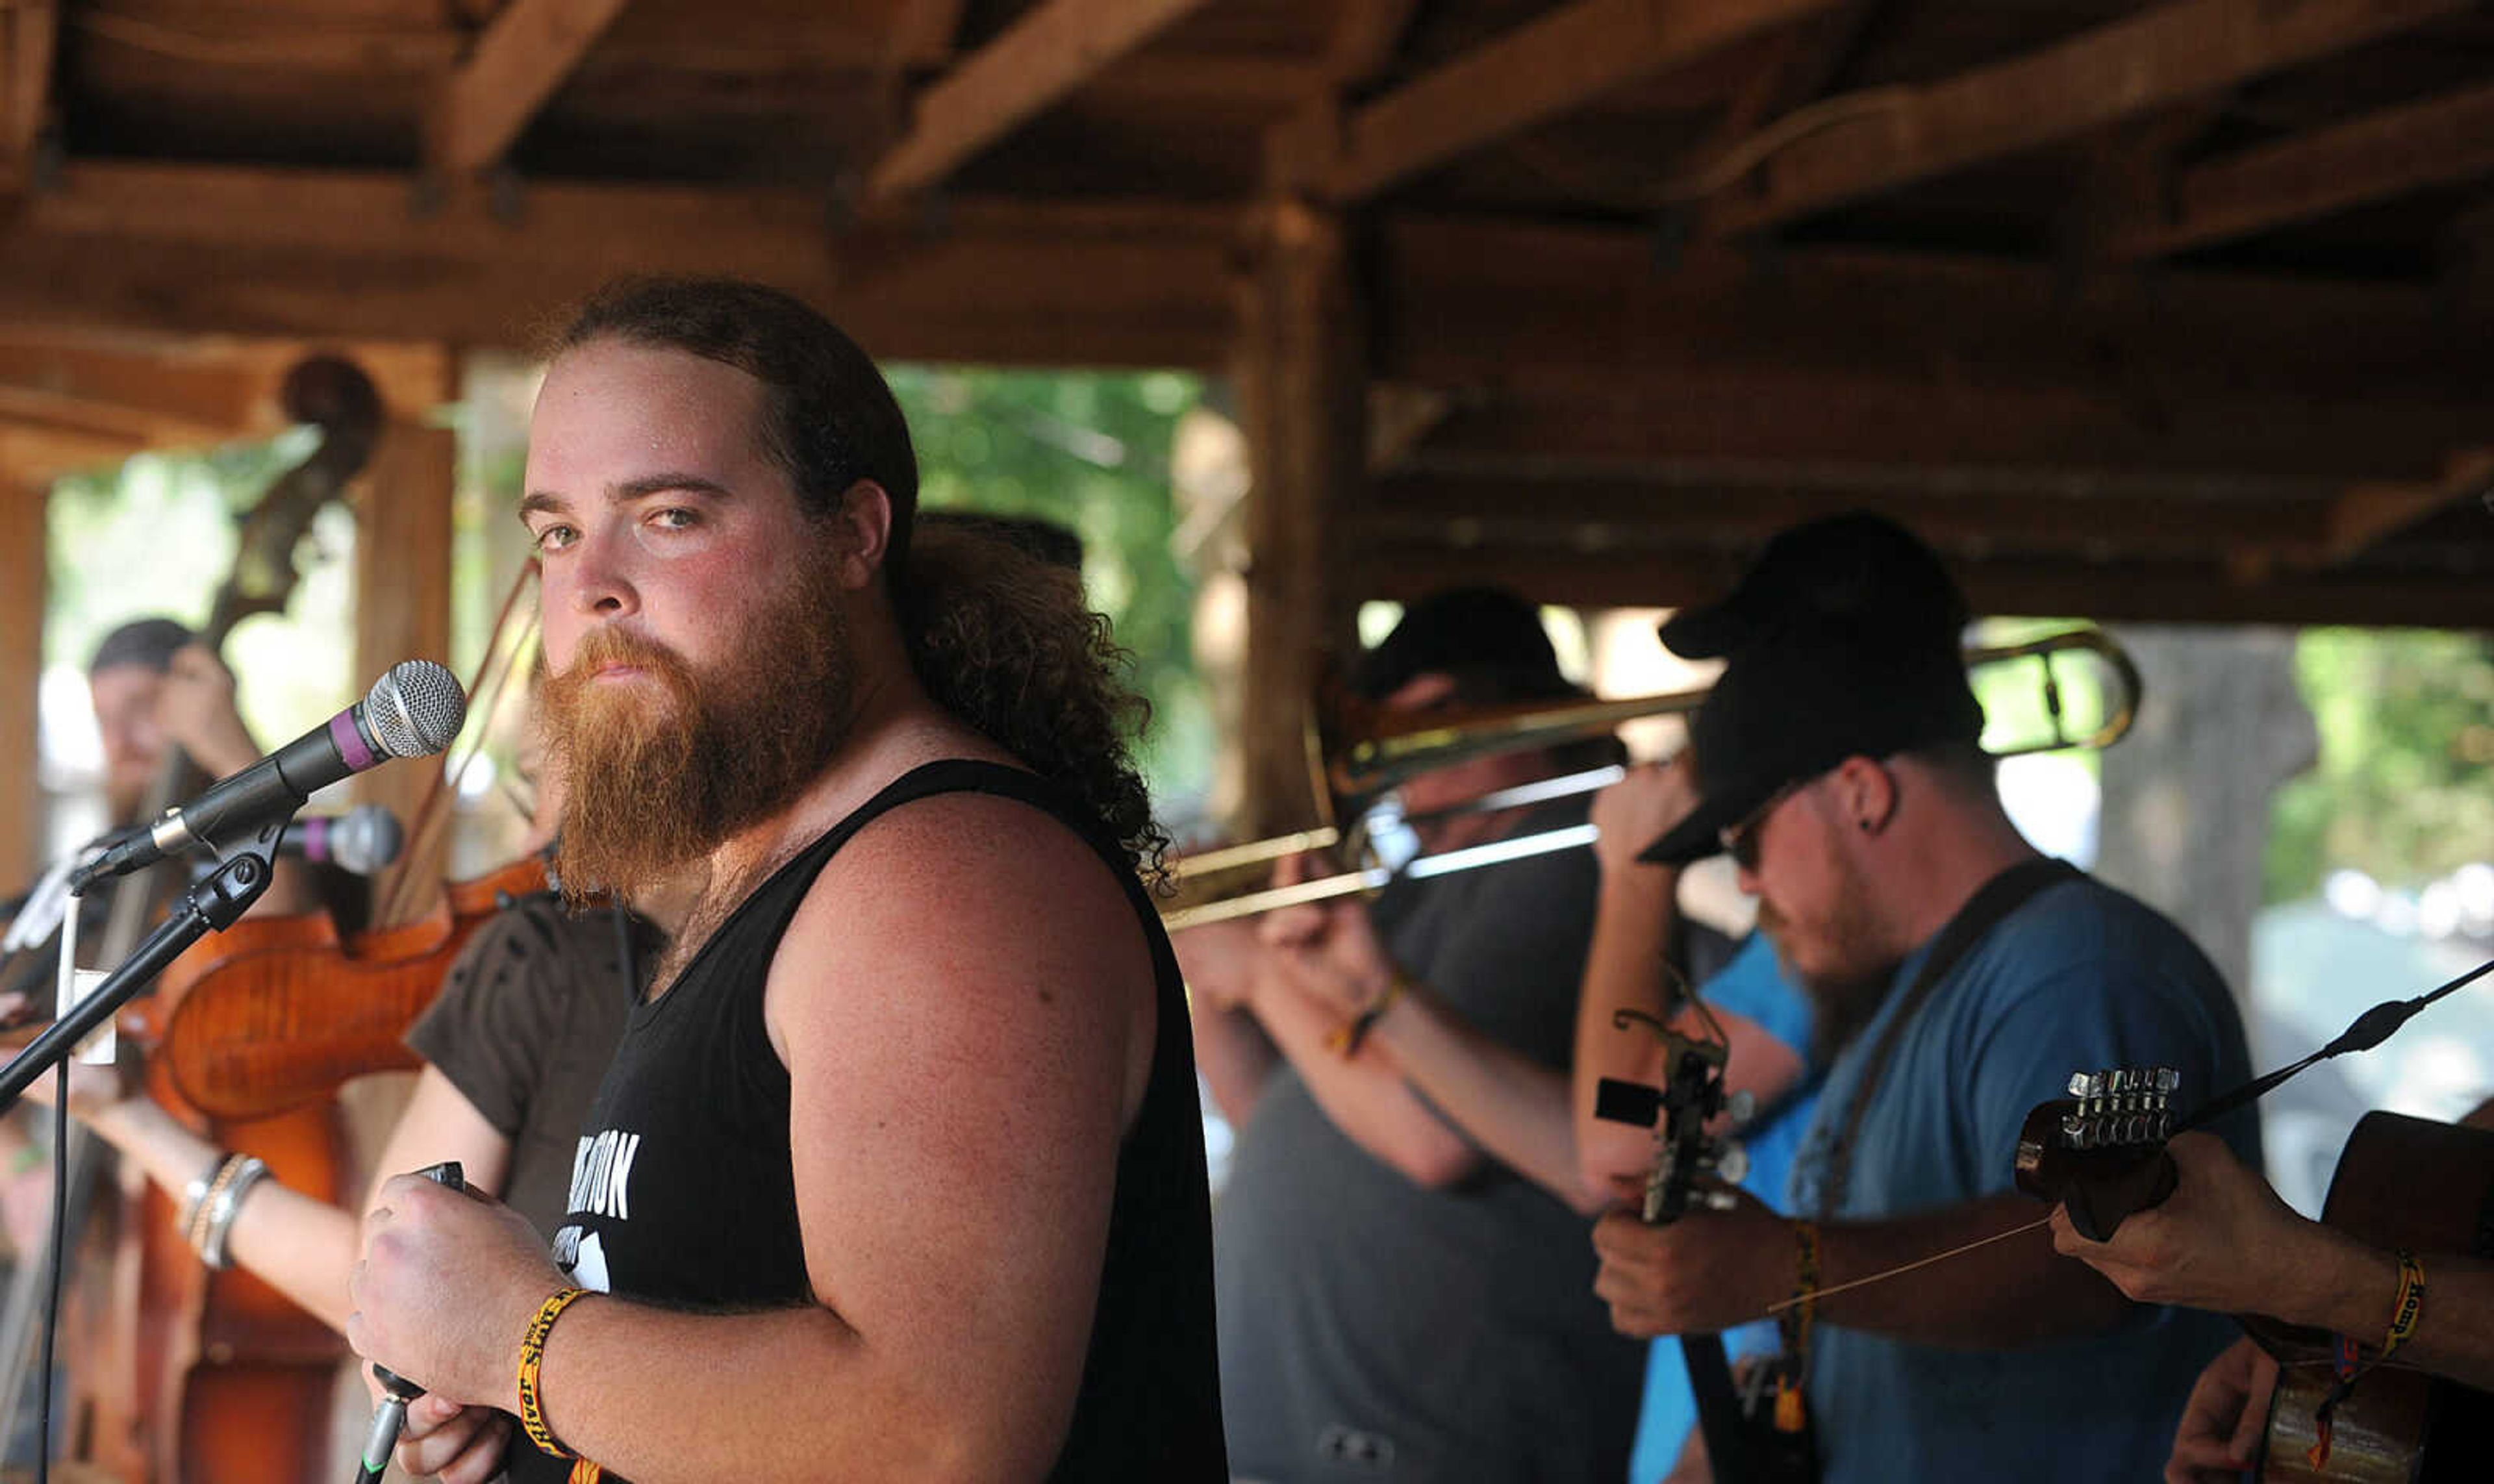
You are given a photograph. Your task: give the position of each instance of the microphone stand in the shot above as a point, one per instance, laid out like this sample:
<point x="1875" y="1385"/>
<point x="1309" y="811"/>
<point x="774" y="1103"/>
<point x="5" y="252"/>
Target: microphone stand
<point x="211" y="906"/>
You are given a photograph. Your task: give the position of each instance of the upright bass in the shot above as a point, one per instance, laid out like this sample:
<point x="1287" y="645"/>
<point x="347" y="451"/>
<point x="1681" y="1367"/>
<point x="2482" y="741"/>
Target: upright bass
<point x="178" y="1373"/>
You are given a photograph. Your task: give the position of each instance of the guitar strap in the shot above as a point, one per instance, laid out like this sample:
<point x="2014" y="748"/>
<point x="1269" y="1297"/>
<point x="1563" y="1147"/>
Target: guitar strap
<point x="1992" y="901"/>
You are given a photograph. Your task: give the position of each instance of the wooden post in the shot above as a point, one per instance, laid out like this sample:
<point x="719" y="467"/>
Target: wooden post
<point x="21" y="671"/>
<point x="403" y="603"/>
<point x="1303" y="390"/>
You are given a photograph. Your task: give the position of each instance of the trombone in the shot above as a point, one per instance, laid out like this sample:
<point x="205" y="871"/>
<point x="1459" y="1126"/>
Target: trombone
<point x="1379" y="752"/>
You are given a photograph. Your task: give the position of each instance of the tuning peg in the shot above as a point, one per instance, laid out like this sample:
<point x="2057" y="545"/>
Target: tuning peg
<point x="1732" y="1164"/>
<point x="2081" y="1085"/>
<point x="1741" y="1105"/>
<point x="1719" y="1201"/>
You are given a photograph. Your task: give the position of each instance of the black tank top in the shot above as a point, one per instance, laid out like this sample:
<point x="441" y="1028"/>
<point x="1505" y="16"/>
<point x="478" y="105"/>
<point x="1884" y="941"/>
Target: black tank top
<point x="682" y="1194"/>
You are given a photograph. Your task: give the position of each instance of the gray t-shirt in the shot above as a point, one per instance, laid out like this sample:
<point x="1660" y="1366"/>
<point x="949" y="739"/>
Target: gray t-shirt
<point x="1372" y="1329"/>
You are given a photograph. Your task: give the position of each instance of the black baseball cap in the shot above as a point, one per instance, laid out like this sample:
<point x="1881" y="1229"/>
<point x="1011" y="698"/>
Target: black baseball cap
<point x="1486" y="634"/>
<point x="1845" y="572"/>
<point x="1841" y="640"/>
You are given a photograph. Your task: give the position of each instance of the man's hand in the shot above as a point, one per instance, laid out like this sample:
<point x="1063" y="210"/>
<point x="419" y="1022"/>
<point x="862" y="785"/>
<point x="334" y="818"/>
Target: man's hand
<point x="461" y="1445"/>
<point x="449" y="1284"/>
<point x="1329" y="949"/>
<point x="1702" y="1274"/>
<point x="196" y="709"/>
<point x="2222" y="1241"/>
<point x="2222" y="1422"/>
<point x="1640" y="809"/>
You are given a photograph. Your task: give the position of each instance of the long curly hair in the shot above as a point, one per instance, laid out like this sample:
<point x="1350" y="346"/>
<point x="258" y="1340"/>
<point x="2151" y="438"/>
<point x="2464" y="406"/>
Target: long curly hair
<point x="1002" y="639"/>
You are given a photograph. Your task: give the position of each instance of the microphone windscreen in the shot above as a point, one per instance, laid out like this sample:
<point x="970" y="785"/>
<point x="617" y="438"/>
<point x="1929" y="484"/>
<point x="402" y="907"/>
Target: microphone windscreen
<point x="416" y="709"/>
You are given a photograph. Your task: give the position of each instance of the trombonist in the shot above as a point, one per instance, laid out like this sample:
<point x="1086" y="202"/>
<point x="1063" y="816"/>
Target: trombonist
<point x="1393" y="1298"/>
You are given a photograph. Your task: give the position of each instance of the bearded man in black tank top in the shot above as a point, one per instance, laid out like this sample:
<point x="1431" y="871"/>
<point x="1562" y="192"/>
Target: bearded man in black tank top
<point x="898" y="1172"/>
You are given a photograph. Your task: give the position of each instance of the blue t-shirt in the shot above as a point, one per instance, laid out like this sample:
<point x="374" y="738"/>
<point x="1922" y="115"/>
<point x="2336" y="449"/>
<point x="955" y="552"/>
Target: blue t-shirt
<point x="1752" y="985"/>
<point x="2081" y="977"/>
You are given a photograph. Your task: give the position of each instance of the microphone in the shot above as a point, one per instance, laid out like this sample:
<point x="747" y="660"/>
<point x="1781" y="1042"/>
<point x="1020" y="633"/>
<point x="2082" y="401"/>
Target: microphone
<point x="411" y="712"/>
<point x="362" y="841"/>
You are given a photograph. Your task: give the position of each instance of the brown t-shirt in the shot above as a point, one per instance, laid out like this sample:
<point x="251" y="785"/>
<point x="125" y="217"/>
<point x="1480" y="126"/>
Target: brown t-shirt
<point x="525" y="1027"/>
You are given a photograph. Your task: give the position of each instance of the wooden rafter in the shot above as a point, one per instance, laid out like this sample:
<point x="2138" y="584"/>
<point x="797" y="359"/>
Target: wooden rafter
<point x="2175" y="52"/>
<point x="2440" y="141"/>
<point x="923" y="35"/>
<point x="519" y="62"/>
<point x="1795" y="71"/>
<point x="1052" y="50"/>
<point x="2370" y="513"/>
<point x="29" y="32"/>
<point x="2212" y="591"/>
<point x="1536" y="73"/>
<point x="1366" y="36"/>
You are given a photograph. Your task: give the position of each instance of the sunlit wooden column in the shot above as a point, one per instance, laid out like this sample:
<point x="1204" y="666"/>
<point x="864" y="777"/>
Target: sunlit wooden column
<point x="1302" y="383"/>
<point x="21" y="669"/>
<point x="403" y="594"/>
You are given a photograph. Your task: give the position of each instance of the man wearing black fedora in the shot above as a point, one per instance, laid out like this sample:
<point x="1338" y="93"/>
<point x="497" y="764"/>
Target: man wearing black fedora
<point x="1964" y="975"/>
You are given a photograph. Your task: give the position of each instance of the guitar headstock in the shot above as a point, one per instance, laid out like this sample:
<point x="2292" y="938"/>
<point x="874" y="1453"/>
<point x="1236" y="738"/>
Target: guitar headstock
<point x="2101" y="1150"/>
<point x="1693" y="1095"/>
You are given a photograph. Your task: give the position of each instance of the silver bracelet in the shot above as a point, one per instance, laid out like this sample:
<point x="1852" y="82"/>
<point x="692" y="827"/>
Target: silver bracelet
<point x="197" y="1192"/>
<point x="243" y="1171"/>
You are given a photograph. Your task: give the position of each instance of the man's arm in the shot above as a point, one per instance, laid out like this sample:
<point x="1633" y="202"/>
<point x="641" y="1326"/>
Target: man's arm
<point x="1235" y="1056"/>
<point x="1302" y="1002"/>
<point x="2224" y="1241"/>
<point x="1712" y="1270"/>
<point x="962" y="1069"/>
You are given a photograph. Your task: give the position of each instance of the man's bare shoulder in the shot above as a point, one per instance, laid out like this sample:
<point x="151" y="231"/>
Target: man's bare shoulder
<point x="972" y="878"/>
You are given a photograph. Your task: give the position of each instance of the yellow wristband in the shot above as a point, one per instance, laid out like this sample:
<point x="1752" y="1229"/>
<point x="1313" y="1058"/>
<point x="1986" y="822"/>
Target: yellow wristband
<point x="531" y="1353"/>
<point x="1346" y="1041"/>
<point x="2408" y="1309"/>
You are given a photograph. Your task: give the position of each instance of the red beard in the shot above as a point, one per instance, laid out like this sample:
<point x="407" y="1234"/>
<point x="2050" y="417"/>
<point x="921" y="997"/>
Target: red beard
<point x="655" y="781"/>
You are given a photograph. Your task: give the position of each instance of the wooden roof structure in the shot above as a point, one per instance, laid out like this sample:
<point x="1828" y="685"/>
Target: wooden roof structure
<point x="2154" y="309"/>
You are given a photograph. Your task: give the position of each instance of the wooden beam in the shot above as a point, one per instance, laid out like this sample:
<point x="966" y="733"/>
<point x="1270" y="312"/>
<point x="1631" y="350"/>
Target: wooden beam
<point x="1300" y="384"/>
<point x="142" y="427"/>
<point x="1366" y="36"/>
<point x="403" y="596"/>
<point x="22" y="590"/>
<point x="1052" y="50"/>
<point x="2180" y="592"/>
<point x="2167" y="55"/>
<point x="38" y="453"/>
<point x="1563" y="312"/>
<point x="324" y="253"/>
<point x="1539" y="71"/>
<point x="522" y="58"/>
<point x="2440" y="141"/>
<point x="2370" y="513"/>
<point x="31" y="31"/>
<point x="923" y="35"/>
<point x="2084" y="514"/>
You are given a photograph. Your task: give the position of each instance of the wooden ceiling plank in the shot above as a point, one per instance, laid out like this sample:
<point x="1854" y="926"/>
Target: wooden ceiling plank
<point x="2440" y="141"/>
<point x="923" y="35"/>
<point x="31" y="29"/>
<point x="528" y="52"/>
<point x="1052" y="51"/>
<point x="2371" y="512"/>
<point x="1365" y="40"/>
<point x="2171" y="55"/>
<point x="1534" y="74"/>
<point x="2178" y="591"/>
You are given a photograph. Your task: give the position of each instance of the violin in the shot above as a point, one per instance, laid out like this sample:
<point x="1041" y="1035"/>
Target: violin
<point x="280" y="1016"/>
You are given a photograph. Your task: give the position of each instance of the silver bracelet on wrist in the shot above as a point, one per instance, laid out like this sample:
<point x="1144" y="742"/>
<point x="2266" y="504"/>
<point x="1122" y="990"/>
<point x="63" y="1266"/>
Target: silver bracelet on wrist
<point x="196" y="1194"/>
<point x="209" y="1228"/>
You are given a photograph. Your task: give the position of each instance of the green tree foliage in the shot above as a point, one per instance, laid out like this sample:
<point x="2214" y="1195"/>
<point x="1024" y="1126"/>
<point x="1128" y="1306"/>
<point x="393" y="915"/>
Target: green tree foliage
<point x="1091" y="452"/>
<point x="2403" y="791"/>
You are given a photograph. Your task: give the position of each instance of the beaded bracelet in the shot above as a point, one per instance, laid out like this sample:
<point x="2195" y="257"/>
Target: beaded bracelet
<point x="532" y="1355"/>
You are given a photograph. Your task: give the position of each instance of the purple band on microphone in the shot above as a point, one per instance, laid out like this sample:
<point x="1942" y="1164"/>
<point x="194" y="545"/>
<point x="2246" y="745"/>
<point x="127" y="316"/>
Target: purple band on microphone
<point x="315" y="837"/>
<point x="350" y="739"/>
